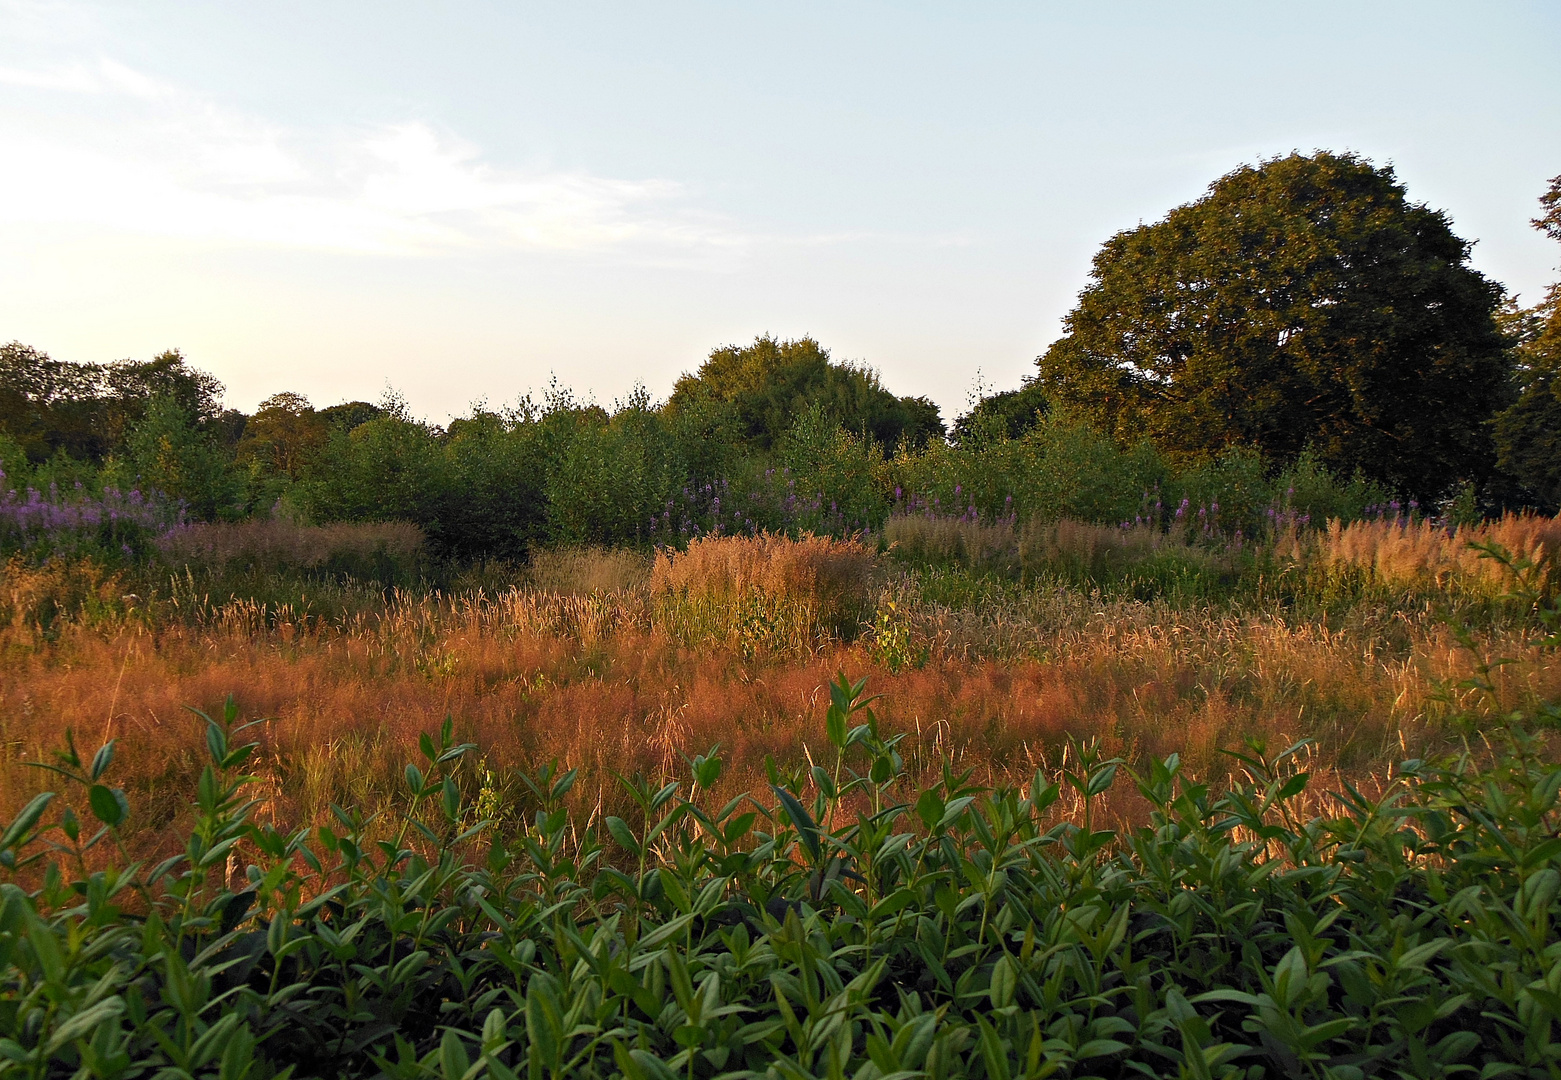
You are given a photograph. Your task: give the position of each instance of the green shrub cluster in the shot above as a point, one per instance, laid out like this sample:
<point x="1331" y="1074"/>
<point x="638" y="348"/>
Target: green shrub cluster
<point x="497" y="484"/>
<point x="840" y="924"/>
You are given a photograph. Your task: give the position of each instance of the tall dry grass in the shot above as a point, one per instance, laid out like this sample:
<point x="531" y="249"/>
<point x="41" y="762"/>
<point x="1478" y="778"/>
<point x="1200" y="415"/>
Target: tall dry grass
<point x="764" y="593"/>
<point x="597" y="680"/>
<point x="34" y="600"/>
<point x="582" y="571"/>
<point x="1404" y="554"/>
<point x="613" y="674"/>
<point x="1098" y="548"/>
<point x="270" y="546"/>
<point x="929" y="538"/>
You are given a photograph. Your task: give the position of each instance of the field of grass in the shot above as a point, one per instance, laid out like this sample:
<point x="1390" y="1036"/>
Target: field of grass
<point x="989" y="897"/>
<point x="991" y="647"/>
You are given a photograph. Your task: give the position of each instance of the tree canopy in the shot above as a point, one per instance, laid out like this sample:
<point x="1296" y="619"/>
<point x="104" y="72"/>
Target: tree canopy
<point x="1528" y="434"/>
<point x="87" y="410"/>
<point x="1008" y="413"/>
<point x="1303" y="302"/>
<point x="766" y="386"/>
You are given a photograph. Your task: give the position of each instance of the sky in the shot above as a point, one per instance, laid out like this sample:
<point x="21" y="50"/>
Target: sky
<point x="465" y="201"/>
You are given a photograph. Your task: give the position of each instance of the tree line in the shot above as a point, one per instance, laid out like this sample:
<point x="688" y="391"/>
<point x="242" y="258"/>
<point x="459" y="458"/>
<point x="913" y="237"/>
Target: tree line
<point x="1302" y="327"/>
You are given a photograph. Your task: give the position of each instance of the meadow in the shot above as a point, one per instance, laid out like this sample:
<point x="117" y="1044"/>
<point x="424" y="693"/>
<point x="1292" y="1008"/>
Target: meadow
<point x="1187" y="710"/>
<point x="959" y="798"/>
<point x="993" y="646"/>
<point x="1144" y="724"/>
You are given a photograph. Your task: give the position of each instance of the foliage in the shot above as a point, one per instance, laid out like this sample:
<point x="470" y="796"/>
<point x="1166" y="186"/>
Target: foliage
<point x="108" y="526"/>
<point x="87" y="410"/>
<point x="1528" y="433"/>
<point x="763" y="387"/>
<point x="1008" y="413"/>
<point x="167" y="451"/>
<point x="497" y="485"/>
<point x="608" y="475"/>
<point x="281" y="439"/>
<point x="1257" y="316"/>
<point x="842" y="472"/>
<point x="1059" y="468"/>
<point x="838" y="924"/>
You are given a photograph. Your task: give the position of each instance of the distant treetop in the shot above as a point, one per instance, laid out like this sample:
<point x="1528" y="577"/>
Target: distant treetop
<point x="765" y="386"/>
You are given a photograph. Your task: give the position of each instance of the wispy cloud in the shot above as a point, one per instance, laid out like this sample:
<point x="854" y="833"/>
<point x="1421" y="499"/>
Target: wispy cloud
<point x="108" y="147"/>
<point x="104" y="76"/>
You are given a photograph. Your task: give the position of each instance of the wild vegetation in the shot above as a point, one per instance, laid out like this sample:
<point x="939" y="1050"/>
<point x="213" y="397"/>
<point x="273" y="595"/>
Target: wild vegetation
<point x="841" y="921"/>
<point x="523" y="743"/>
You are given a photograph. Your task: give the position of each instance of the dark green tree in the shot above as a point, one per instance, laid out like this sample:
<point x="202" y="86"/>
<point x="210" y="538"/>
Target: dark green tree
<point x="47" y="405"/>
<point x="1009" y="413"/>
<point x="766" y="386"/>
<point x="1302" y="302"/>
<point x="349" y="414"/>
<point x="88" y="410"/>
<point x="1528" y="434"/>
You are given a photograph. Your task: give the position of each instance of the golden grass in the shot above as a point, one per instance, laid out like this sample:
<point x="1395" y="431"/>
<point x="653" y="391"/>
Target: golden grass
<point x="1097" y="548"/>
<point x="764" y="593"/>
<point x="33" y="599"/>
<point x="596" y="681"/>
<point x="604" y="671"/>
<point x="1403" y="554"/>
<point x="581" y="571"/>
<point x="938" y="539"/>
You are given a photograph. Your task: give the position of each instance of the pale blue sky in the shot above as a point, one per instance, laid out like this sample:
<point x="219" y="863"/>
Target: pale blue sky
<point x="464" y="199"/>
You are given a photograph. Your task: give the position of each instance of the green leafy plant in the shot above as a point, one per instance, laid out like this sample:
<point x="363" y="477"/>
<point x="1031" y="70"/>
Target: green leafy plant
<point x="843" y="925"/>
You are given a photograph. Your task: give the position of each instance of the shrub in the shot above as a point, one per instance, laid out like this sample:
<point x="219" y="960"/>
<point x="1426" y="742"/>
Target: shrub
<point x="387" y="469"/>
<point x="112" y="528"/>
<point x="607" y="477"/>
<point x="1059" y="468"/>
<point x="496" y="508"/>
<point x="838" y="475"/>
<point x="1308" y="489"/>
<point x="170" y="452"/>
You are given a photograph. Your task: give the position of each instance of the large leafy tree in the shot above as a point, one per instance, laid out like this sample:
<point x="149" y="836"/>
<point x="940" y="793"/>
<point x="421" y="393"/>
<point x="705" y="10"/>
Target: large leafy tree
<point x="1301" y="302"/>
<point x="763" y="388"/>
<point x="1528" y="434"/>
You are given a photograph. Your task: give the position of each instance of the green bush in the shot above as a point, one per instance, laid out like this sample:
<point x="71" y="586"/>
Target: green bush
<point x="1057" y="469"/>
<point x="839" y="924"/>
<point x="1312" y="494"/>
<point x="497" y="507"/>
<point x="607" y="475"/>
<point x="836" y="475"/>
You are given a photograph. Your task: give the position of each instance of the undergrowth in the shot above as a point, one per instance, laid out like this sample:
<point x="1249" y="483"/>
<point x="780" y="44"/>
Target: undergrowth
<point x="837" y="924"/>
